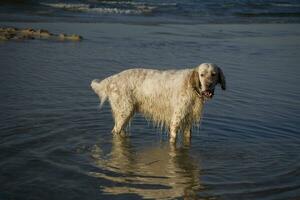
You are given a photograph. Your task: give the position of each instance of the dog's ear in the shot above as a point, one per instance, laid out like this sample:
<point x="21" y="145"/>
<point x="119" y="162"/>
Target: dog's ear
<point x="194" y="80"/>
<point x="221" y="79"/>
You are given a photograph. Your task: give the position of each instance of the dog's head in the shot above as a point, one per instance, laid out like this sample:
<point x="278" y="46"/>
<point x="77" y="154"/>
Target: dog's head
<point x="204" y="79"/>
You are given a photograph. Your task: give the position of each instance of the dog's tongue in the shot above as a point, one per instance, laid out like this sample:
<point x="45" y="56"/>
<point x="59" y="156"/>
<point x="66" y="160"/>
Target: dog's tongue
<point x="207" y="94"/>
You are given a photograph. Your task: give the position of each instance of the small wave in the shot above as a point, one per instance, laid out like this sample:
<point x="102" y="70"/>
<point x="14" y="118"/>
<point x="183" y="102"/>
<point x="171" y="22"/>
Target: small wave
<point x="139" y="3"/>
<point x="139" y="9"/>
<point x="80" y="7"/>
<point x="270" y="14"/>
<point x="286" y="5"/>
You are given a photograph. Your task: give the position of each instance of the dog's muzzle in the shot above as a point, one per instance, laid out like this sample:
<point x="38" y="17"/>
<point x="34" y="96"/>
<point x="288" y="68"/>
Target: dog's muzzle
<point x="208" y="94"/>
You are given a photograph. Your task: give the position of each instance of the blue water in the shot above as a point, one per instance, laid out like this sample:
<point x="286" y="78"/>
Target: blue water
<point x="155" y="11"/>
<point x="55" y="142"/>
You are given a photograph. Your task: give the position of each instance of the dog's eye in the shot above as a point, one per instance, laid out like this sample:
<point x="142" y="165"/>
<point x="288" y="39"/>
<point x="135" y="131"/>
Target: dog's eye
<point x="213" y="74"/>
<point x="201" y="75"/>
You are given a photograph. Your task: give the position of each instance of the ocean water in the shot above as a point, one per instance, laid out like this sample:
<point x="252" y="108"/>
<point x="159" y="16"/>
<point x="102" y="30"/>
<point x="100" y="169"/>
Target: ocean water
<point x="55" y="142"/>
<point x="154" y="11"/>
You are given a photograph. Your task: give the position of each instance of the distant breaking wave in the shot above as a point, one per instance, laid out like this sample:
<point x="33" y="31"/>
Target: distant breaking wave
<point x="191" y="11"/>
<point x="286" y="5"/>
<point x="138" y="9"/>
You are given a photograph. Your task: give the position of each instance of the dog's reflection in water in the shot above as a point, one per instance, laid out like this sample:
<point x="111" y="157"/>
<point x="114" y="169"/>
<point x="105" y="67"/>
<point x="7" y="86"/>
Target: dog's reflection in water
<point x="160" y="172"/>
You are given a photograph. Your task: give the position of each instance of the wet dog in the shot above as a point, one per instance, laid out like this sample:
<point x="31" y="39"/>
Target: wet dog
<point x="172" y="99"/>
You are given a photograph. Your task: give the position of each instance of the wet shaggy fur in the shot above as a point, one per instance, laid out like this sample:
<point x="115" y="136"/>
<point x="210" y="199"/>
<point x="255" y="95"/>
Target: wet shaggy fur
<point x="172" y="99"/>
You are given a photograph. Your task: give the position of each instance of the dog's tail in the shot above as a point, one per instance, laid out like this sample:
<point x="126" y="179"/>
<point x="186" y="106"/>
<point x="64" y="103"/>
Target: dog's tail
<point x="100" y="88"/>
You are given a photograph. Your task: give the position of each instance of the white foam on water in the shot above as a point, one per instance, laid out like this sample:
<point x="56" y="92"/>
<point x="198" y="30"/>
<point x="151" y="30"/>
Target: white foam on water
<point x="139" y="9"/>
<point x="68" y="6"/>
<point x="285" y="5"/>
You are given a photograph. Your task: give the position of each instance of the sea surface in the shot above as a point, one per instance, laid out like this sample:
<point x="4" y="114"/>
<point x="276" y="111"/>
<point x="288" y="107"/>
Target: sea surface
<point x="56" y="143"/>
<point x="154" y="11"/>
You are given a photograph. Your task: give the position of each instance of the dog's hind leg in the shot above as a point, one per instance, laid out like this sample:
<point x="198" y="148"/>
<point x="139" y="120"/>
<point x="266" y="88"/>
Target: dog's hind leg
<point x="122" y="110"/>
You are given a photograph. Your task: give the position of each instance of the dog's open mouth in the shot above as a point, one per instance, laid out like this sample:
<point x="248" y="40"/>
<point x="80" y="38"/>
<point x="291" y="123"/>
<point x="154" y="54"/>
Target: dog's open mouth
<point x="208" y="94"/>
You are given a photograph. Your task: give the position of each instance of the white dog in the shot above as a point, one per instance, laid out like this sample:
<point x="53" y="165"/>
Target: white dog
<point x="172" y="99"/>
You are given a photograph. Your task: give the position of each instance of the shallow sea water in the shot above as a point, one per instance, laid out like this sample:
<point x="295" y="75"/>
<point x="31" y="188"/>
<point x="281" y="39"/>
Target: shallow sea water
<point x="152" y="11"/>
<point x="55" y="143"/>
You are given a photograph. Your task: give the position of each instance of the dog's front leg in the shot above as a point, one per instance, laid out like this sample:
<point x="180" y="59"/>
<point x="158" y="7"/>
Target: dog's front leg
<point x="187" y="133"/>
<point x="175" y="125"/>
<point x="173" y="132"/>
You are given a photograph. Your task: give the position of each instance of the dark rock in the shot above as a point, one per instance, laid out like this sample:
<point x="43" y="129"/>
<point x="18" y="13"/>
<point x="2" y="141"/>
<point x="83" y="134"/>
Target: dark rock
<point x="11" y="33"/>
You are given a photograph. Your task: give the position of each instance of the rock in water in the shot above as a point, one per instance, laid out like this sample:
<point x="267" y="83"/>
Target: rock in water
<point x="12" y="33"/>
